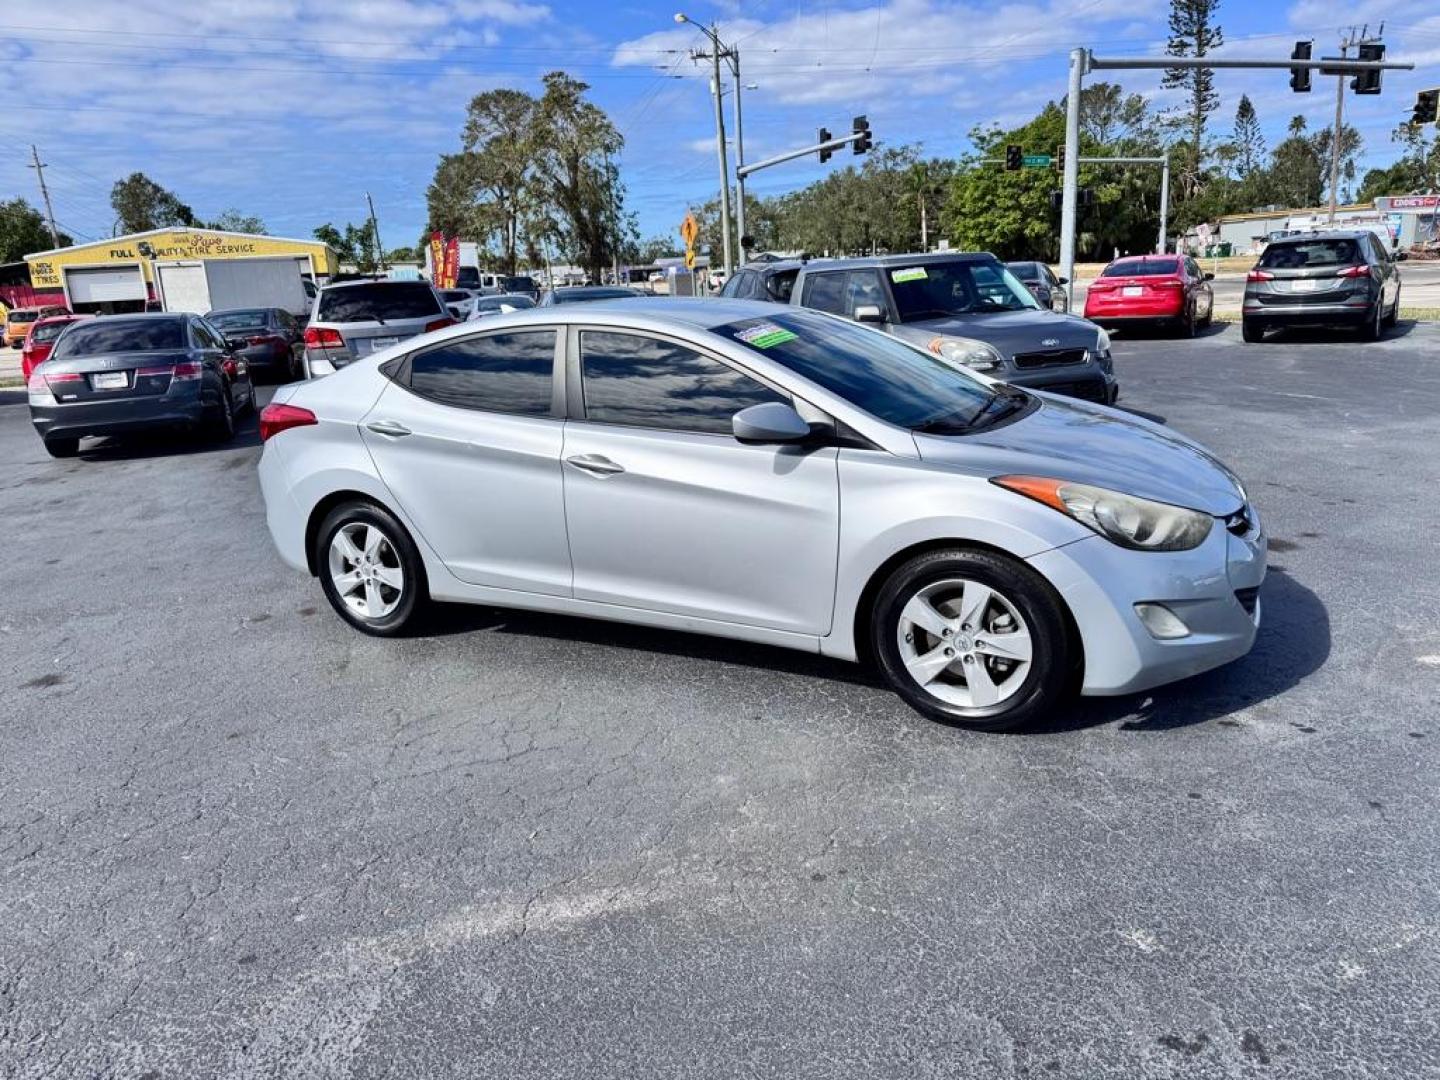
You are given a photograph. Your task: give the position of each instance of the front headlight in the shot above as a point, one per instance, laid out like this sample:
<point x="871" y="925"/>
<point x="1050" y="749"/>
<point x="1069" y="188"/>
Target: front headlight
<point x="966" y="352"/>
<point x="1122" y="519"/>
<point x="1102" y="342"/>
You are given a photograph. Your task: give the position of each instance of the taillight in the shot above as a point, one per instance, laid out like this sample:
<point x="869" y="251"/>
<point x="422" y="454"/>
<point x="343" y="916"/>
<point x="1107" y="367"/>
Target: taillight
<point x="1100" y="285"/>
<point x="275" y="418"/>
<point x="229" y="367"/>
<point x="1168" y="283"/>
<point x="1353" y="272"/>
<point x="186" y="372"/>
<point x="439" y="324"/>
<point x="1259" y="275"/>
<point x="64" y="377"/>
<point x="323" y="337"/>
<point x="36" y="384"/>
<point x="262" y="340"/>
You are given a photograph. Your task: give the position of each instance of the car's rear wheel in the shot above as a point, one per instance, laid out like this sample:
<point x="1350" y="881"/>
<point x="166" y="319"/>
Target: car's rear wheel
<point x="1251" y="331"/>
<point x="222" y="426"/>
<point x="62" y="448"/>
<point x="972" y="638"/>
<point x="1394" y="316"/>
<point x="370" y="569"/>
<point x="1374" y="328"/>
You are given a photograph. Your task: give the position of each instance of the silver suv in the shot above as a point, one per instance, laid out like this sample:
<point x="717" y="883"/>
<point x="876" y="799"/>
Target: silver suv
<point x="353" y="319"/>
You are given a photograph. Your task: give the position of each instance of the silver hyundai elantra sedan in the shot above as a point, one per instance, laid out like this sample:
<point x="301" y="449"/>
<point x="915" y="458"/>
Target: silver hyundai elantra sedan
<point x="776" y="475"/>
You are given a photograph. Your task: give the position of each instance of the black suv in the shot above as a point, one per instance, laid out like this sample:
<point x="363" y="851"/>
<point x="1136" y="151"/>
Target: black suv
<point x="1323" y="279"/>
<point x="764" y="281"/>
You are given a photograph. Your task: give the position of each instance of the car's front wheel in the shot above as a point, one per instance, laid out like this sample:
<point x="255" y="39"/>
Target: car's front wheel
<point x="370" y="569"/>
<point x="972" y="638"/>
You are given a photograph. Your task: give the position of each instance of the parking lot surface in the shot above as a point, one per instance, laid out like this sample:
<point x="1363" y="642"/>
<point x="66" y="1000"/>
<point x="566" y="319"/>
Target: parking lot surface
<point x="238" y="839"/>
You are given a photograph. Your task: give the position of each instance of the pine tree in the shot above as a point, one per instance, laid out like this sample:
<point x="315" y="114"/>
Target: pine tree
<point x="1193" y="33"/>
<point x="1248" y="141"/>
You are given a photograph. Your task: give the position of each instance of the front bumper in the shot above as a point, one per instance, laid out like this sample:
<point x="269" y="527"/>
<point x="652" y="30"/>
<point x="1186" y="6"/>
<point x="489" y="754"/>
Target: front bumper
<point x="1212" y="589"/>
<point x="1089" y="382"/>
<point x="74" y="421"/>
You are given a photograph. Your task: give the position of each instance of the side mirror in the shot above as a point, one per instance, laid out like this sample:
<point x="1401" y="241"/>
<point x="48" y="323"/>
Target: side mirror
<point x="1401" y="256"/>
<point x="1209" y="277"/>
<point x="771" y="422"/>
<point x="1062" y="281"/>
<point x="870" y="313"/>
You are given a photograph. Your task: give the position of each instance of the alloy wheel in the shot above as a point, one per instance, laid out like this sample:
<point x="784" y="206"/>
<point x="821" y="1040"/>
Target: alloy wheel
<point x="964" y="643"/>
<point x="365" y="569"/>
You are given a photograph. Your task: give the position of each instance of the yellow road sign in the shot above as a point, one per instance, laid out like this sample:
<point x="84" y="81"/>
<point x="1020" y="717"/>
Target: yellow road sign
<point x="689" y="230"/>
<point x="689" y="258"/>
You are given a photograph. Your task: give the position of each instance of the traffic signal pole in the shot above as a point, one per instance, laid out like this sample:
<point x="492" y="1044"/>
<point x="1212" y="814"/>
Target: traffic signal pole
<point x="1082" y="62"/>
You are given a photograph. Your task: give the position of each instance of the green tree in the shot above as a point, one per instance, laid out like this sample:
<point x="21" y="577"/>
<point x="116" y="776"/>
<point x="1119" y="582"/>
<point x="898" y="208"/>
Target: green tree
<point x="1296" y="173"/>
<point x="1247" y="139"/>
<point x="234" y="221"/>
<point x="23" y="231"/>
<point x="141" y="205"/>
<point x="355" y="246"/>
<point x="1193" y="34"/>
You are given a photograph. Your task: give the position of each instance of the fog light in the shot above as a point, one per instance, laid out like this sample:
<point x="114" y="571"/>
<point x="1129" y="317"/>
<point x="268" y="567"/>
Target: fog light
<point x="1161" y="622"/>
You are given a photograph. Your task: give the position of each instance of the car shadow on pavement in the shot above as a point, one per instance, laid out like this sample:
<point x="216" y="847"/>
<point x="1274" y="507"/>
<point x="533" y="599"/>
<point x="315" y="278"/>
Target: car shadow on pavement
<point x="153" y="444"/>
<point x="1168" y="333"/>
<point x="1336" y="335"/>
<point x="1293" y="642"/>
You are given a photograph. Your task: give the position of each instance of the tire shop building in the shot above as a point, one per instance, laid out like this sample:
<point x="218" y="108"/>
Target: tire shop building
<point x="117" y="275"/>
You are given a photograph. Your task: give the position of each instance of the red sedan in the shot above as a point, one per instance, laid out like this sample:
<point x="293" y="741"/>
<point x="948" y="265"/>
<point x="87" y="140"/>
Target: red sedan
<point x="1168" y="290"/>
<point x="41" y="338"/>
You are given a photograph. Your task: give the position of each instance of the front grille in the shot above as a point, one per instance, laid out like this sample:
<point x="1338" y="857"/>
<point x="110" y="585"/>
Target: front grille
<point x="1051" y="358"/>
<point x="1248" y="598"/>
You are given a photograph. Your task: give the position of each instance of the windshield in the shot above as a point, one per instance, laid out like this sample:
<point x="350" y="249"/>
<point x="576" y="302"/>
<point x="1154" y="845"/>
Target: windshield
<point x="888" y="379"/>
<point x="380" y="302"/>
<point x="112" y="335"/>
<point x="21" y="315"/>
<point x="468" y="276"/>
<point x="504" y="303"/>
<point x="969" y="287"/>
<point x="1308" y="253"/>
<point x="1025" y="271"/>
<point x="47" y="331"/>
<point x="1142" y="268"/>
<point x="566" y="296"/>
<point x="517" y="284"/>
<point x="455" y="295"/>
<point x="232" y="320"/>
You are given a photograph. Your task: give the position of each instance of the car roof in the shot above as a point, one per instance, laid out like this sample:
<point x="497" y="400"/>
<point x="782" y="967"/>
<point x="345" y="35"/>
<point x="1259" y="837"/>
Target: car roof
<point x="152" y="316"/>
<point x="912" y="259"/>
<point x="1144" y="258"/>
<point x="779" y="266"/>
<point x="372" y="281"/>
<point x="1328" y="234"/>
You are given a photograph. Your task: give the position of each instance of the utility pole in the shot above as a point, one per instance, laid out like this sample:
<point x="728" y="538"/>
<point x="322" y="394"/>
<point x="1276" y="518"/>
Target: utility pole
<point x="1345" y="44"/>
<point x="717" y="52"/>
<point x="739" y="162"/>
<point x="1070" y="179"/>
<point x="375" y="232"/>
<point x="39" y="168"/>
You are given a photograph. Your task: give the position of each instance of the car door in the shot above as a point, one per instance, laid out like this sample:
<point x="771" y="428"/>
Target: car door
<point x="467" y="437"/>
<point x="666" y="511"/>
<point x="220" y="365"/>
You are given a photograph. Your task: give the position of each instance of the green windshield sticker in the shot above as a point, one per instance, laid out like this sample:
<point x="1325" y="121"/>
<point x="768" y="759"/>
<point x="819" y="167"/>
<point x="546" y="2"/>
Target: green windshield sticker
<point x="915" y="273"/>
<point x="765" y="335"/>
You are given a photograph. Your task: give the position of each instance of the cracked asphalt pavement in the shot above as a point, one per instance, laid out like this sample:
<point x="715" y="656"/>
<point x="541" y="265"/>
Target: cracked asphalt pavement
<point x="238" y="839"/>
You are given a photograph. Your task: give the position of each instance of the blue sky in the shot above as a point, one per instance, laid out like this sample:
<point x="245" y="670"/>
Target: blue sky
<point x="293" y="109"/>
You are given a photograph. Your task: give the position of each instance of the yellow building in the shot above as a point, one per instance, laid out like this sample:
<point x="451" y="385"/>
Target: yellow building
<point x="117" y="275"/>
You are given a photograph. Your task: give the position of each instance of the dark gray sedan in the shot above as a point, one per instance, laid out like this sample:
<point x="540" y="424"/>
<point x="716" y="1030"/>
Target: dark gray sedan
<point x="1043" y="284"/>
<point x="270" y="340"/>
<point x="126" y="373"/>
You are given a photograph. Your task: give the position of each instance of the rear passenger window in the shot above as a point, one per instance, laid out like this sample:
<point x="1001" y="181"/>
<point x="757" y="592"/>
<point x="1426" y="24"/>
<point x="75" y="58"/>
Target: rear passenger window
<point x="825" y="292"/>
<point x="506" y="373"/>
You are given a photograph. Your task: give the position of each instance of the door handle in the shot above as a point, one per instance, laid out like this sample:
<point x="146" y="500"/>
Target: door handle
<point x="595" y="464"/>
<point x="388" y="427"/>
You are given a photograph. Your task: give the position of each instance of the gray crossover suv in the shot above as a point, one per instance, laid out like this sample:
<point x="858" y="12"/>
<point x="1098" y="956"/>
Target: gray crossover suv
<point x="1323" y="279"/>
<point x="970" y="310"/>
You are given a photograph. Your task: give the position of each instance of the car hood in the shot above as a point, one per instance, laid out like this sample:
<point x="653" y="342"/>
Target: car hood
<point x="1093" y="444"/>
<point x="1009" y="331"/>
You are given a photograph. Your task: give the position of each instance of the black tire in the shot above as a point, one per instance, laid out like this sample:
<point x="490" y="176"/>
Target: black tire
<point x="1374" y="328"/>
<point x="1188" y="323"/>
<point x="1394" y="316"/>
<point x="222" y="424"/>
<point x="1251" y="331"/>
<point x="414" y="599"/>
<point x="1043" y="688"/>
<point x="62" y="448"/>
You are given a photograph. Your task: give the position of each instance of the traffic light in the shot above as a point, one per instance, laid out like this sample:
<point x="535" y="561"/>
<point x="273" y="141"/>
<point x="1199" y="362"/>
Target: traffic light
<point x="1014" y="157"/>
<point x="1368" y="82"/>
<point x="861" y="127"/>
<point x="1057" y="200"/>
<point x="1300" y="77"/>
<point x="1059" y="159"/>
<point x="1427" y="108"/>
<point x="1086" y="198"/>
<point x="823" y="137"/>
